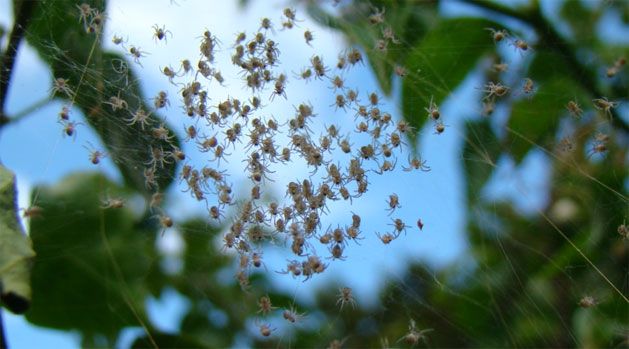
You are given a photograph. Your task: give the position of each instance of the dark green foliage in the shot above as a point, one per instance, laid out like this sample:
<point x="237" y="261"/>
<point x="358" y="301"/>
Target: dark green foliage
<point x="91" y="261"/>
<point x="95" y="75"/>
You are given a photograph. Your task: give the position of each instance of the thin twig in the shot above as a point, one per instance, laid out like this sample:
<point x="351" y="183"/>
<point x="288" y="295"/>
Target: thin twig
<point x="3" y="341"/>
<point x="27" y="111"/>
<point x="23" y="16"/>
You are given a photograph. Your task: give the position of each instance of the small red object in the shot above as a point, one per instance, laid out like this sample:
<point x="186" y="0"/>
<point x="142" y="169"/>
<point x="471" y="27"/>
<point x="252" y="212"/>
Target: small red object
<point x="420" y="224"/>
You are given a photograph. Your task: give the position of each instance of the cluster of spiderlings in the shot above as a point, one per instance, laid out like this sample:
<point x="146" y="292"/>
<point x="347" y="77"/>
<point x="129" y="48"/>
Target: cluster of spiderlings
<point x="218" y="128"/>
<point x="91" y="18"/>
<point x="494" y="91"/>
<point x="340" y="161"/>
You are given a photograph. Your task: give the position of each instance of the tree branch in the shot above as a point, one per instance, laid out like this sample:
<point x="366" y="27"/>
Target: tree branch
<point x="3" y="341"/>
<point x="23" y="16"/>
<point x="552" y="40"/>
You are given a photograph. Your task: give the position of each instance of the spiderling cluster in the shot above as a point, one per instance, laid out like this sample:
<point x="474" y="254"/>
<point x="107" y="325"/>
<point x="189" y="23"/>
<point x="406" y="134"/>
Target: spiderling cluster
<point x="340" y="162"/>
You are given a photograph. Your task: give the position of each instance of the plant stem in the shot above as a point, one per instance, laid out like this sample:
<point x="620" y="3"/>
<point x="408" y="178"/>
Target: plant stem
<point x="552" y="40"/>
<point x="22" y="17"/>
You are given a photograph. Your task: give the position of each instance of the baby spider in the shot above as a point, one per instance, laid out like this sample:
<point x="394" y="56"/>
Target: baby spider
<point x="69" y="128"/>
<point x="117" y="103"/>
<point x="140" y="116"/>
<point x="95" y="155"/>
<point x="308" y="37"/>
<point x="387" y="165"/>
<point x="500" y="67"/>
<point x="85" y="11"/>
<point x="386" y="238"/>
<point x="439" y="127"/>
<point x="529" y="86"/>
<point x="336" y="252"/>
<point x="64" y="114"/>
<point x="494" y="90"/>
<point x="136" y="54"/>
<point x="604" y="105"/>
<point x="416" y="164"/>
<point x="613" y="70"/>
<point x="413" y="336"/>
<point x="159" y="33"/>
<point x="400" y="71"/>
<point x="399" y="226"/>
<point x="623" y="230"/>
<point x="377" y="16"/>
<point x="265" y="330"/>
<point x="215" y="213"/>
<point x="498" y="35"/>
<point x="574" y="109"/>
<point x="521" y="45"/>
<point x="165" y="222"/>
<point x="600" y="144"/>
<point x="32" y="211"/>
<point x="169" y="72"/>
<point x="433" y="110"/>
<point x="346" y="297"/>
<point x="110" y="202"/>
<point x="291" y="315"/>
<point x="393" y="202"/>
<point x="118" y="40"/>
<point x="265" y="305"/>
<point x="60" y="85"/>
<point x="266" y="24"/>
<point x="587" y="302"/>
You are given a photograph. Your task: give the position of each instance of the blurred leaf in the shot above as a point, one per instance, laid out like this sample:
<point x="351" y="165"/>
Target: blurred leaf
<point x="440" y="62"/>
<point x="480" y="153"/>
<point x="16" y="252"/>
<point x="534" y="121"/>
<point x="548" y="65"/>
<point x="91" y="261"/>
<point x="95" y="76"/>
<point x="404" y="18"/>
<point x="581" y="20"/>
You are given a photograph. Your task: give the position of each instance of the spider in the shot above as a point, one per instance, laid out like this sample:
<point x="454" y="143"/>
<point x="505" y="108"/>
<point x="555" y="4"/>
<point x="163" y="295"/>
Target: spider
<point x="60" y="85"/>
<point x="498" y="35"/>
<point x="159" y="33"/>
<point x="495" y="90"/>
<point x="413" y="336"/>
<point x="69" y="128"/>
<point x="604" y="105"/>
<point x="140" y="117"/>
<point x="136" y="53"/>
<point x="346" y="297"/>
<point x="416" y="164"/>
<point x="95" y="155"/>
<point x="433" y="110"/>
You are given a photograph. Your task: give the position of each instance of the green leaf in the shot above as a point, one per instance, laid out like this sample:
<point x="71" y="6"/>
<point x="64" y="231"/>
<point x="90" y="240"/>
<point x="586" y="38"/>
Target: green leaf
<point x="405" y="20"/>
<point x="95" y="75"/>
<point x="480" y="153"/>
<point x="581" y="21"/>
<point x="440" y="62"/>
<point x="91" y="262"/>
<point x="16" y="252"/>
<point x="534" y="121"/>
<point x="549" y="65"/>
